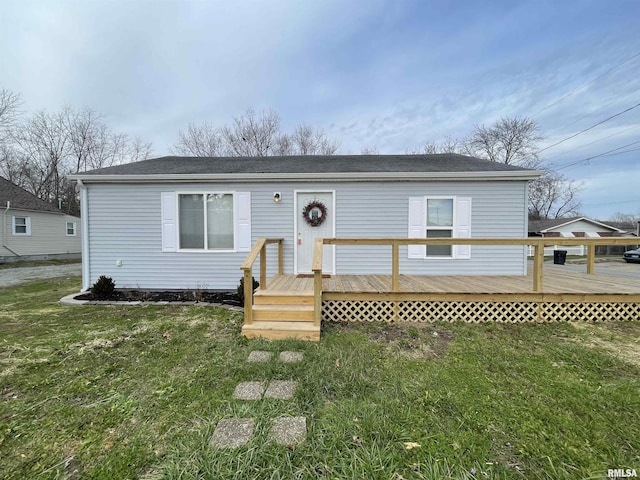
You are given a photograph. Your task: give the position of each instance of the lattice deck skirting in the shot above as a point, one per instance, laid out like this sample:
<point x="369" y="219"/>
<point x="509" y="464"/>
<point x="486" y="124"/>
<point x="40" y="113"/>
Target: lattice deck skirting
<point x="476" y="312"/>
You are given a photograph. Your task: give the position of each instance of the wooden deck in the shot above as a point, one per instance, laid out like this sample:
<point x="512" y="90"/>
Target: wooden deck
<point x="566" y="295"/>
<point x="558" y="280"/>
<point x="294" y="306"/>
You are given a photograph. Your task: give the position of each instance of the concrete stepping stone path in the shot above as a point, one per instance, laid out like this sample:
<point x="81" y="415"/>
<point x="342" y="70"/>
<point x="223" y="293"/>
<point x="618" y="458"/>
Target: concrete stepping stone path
<point x="288" y="430"/>
<point x="281" y="389"/>
<point x="249" y="390"/>
<point x="258" y="356"/>
<point x="291" y="357"/>
<point x="235" y="432"/>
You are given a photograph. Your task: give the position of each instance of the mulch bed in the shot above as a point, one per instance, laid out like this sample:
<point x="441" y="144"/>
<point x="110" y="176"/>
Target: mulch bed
<point x="225" y="298"/>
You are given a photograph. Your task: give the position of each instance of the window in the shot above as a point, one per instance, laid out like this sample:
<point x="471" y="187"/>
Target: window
<point x="439" y="225"/>
<point x="71" y="229"/>
<point x="205" y="221"/>
<point x="22" y="226"/>
<point x="439" y="217"/>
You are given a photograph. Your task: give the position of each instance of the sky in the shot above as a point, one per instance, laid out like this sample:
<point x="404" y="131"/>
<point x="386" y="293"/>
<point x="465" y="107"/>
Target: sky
<point x="384" y="74"/>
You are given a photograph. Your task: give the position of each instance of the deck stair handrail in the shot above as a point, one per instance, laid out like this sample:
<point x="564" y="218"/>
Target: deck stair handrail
<point x="259" y="248"/>
<point x="537" y="242"/>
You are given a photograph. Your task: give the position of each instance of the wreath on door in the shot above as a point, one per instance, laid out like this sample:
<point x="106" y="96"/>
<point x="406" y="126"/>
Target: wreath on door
<point x="314" y="213"/>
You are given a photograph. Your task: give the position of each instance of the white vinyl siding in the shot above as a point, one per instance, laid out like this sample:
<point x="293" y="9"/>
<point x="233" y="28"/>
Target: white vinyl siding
<point x="126" y="222"/>
<point x="46" y="234"/>
<point x="21" y="226"/>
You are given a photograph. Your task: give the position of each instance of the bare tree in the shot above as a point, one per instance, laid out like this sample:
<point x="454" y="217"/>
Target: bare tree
<point x="252" y="134"/>
<point x="93" y="145"/>
<point x="513" y="141"/>
<point x="13" y="165"/>
<point x="202" y="140"/>
<point x="9" y="104"/>
<point x="44" y="149"/>
<point x="43" y="142"/>
<point x="369" y="150"/>
<point x="448" y="145"/>
<point x="553" y="196"/>
<point x="139" y="149"/>
<point x="625" y="218"/>
<point x="308" y="141"/>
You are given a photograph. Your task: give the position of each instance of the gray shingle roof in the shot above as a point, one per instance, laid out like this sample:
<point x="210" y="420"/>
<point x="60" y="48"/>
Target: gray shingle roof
<point x="307" y="164"/>
<point x="538" y="226"/>
<point x="20" y="199"/>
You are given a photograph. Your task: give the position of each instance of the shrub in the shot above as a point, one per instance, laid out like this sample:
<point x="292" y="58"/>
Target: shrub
<point x="103" y="287"/>
<point x="240" y="289"/>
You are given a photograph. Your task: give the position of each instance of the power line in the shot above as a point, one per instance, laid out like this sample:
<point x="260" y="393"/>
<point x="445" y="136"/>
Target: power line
<point x="596" y="141"/>
<point x="600" y="108"/>
<point x="584" y="85"/>
<point x="591" y="127"/>
<point x="620" y="153"/>
<point x="609" y="153"/>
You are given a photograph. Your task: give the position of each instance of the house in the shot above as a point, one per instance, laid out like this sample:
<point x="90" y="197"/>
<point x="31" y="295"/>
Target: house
<point x="32" y="229"/>
<point x="577" y="227"/>
<point x="572" y="227"/>
<point x="188" y="223"/>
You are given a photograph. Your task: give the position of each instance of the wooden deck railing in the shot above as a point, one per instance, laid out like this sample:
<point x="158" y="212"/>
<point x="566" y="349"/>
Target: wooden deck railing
<point x="260" y="248"/>
<point x="537" y="243"/>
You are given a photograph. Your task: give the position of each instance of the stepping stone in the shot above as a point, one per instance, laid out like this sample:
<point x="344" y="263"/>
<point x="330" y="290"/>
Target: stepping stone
<point x="249" y="391"/>
<point x="258" y="356"/>
<point x="288" y="430"/>
<point x="281" y="389"/>
<point x="232" y="432"/>
<point x="291" y="357"/>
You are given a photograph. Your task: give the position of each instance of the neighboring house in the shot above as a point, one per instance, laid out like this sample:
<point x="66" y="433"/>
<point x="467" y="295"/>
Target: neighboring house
<point x="32" y="229"/>
<point x="577" y="227"/>
<point x="188" y="223"/>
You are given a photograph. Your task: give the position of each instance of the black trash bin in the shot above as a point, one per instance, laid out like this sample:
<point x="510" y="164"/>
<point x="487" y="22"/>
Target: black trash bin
<point x="559" y="257"/>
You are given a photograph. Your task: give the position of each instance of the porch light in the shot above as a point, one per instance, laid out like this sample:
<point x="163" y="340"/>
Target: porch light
<point x="277" y="197"/>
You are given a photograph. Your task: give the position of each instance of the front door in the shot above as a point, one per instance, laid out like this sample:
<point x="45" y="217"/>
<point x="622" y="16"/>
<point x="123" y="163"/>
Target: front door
<point x="314" y="218"/>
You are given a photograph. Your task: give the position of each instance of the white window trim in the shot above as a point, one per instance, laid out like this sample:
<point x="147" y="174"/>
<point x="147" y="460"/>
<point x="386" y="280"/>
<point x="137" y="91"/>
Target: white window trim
<point x="27" y="222"/>
<point x="75" y="229"/>
<point x="205" y="250"/>
<point x="452" y="228"/>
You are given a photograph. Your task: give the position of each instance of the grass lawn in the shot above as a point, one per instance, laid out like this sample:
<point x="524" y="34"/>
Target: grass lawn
<point x="40" y="263"/>
<point x="136" y="392"/>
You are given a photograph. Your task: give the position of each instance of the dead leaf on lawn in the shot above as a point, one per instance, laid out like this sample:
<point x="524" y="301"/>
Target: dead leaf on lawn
<point x="411" y="445"/>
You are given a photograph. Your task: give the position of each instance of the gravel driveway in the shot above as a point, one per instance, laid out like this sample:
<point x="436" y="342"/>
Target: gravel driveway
<point x="18" y="275"/>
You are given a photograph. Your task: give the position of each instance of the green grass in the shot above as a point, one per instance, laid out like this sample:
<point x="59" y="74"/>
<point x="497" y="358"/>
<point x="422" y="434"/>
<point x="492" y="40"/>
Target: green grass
<point x="136" y="392"/>
<point x="40" y="263"/>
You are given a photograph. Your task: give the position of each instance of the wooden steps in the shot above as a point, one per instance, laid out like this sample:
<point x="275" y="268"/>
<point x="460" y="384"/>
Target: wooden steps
<point x="282" y="314"/>
<point x="281" y="330"/>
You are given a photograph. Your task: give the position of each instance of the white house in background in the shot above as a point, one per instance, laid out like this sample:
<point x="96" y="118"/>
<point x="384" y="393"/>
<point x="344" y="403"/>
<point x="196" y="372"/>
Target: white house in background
<point x="575" y="227"/>
<point x="32" y="229"/>
<point x="187" y="223"/>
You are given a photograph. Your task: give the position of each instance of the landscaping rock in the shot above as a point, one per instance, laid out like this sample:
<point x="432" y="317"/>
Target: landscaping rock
<point x="232" y="432"/>
<point x="288" y="430"/>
